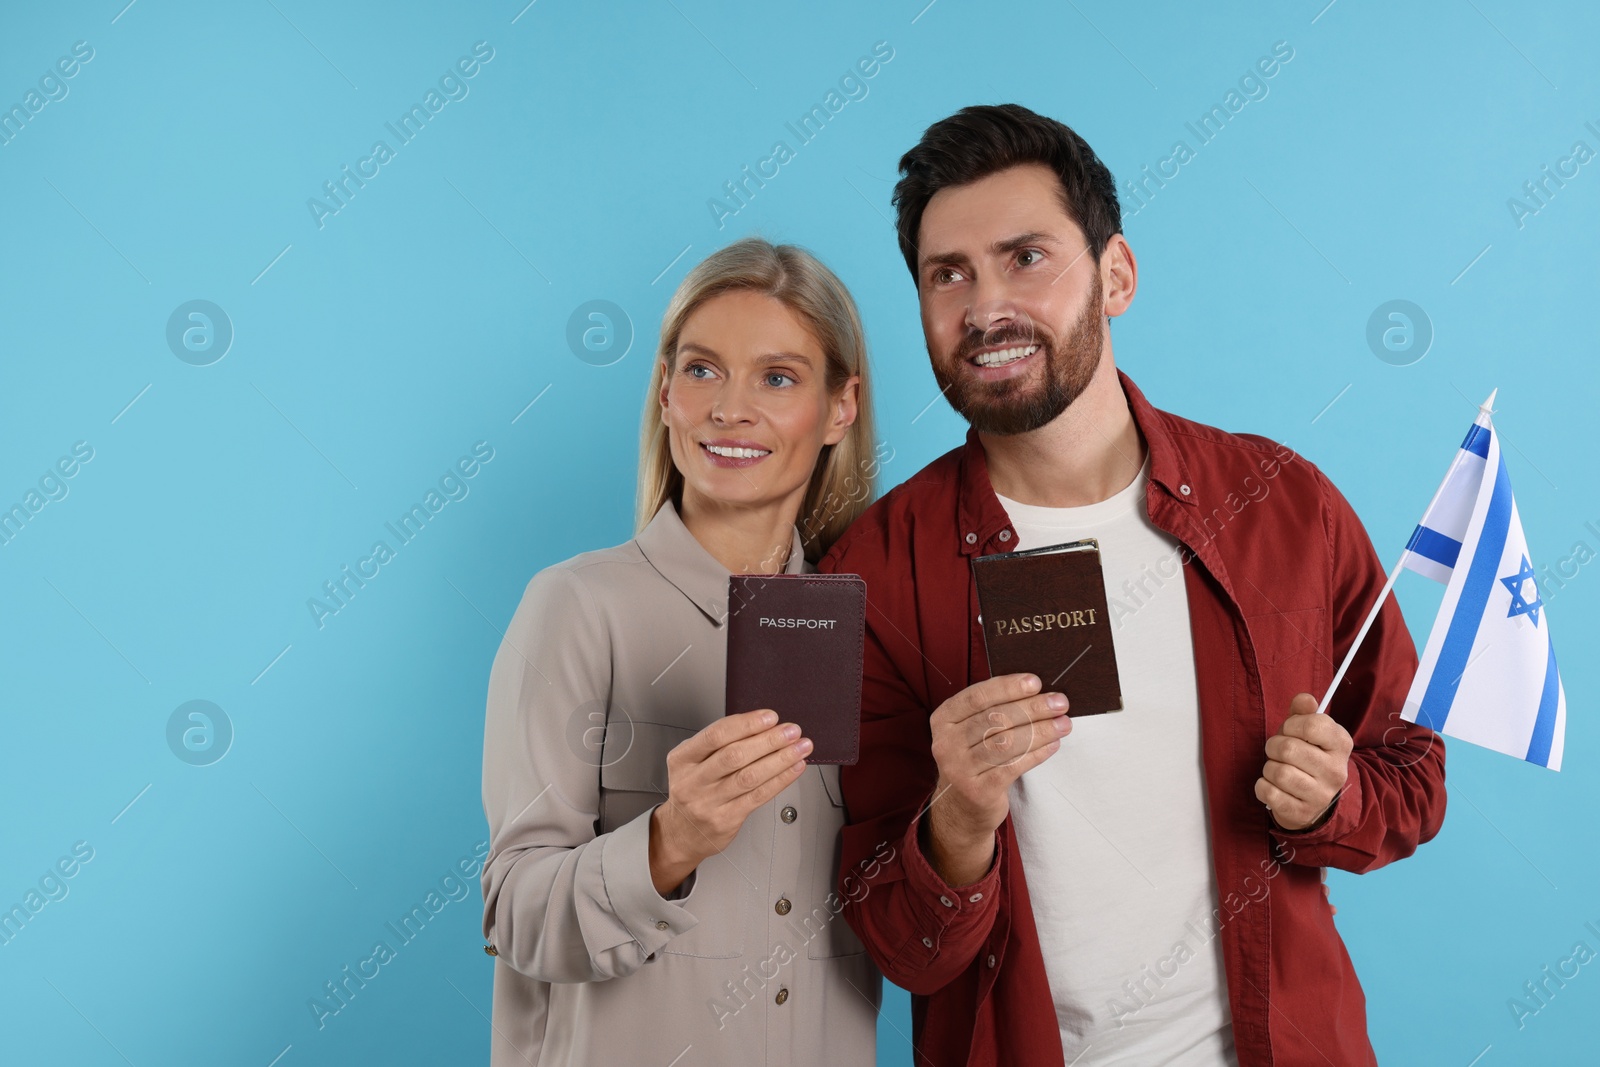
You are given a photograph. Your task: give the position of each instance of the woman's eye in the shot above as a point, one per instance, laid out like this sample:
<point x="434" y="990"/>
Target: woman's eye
<point x="693" y="367"/>
<point x="779" y="377"/>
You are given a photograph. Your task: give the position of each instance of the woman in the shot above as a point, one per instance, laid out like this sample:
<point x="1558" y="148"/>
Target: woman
<point x="660" y="877"/>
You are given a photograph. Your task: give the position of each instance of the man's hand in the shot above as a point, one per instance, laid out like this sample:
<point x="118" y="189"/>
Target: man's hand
<point x="1307" y="764"/>
<point x="983" y="739"/>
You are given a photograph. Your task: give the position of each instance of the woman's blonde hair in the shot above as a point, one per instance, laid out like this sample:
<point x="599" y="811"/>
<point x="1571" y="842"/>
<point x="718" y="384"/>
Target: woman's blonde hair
<point x="843" y="480"/>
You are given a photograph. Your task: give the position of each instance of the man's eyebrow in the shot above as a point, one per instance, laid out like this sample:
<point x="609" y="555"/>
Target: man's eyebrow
<point x="1005" y="244"/>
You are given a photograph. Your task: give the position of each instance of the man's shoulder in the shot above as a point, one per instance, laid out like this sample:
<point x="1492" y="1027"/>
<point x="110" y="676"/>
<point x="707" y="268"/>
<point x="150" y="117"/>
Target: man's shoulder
<point x="881" y="531"/>
<point x="1221" y="459"/>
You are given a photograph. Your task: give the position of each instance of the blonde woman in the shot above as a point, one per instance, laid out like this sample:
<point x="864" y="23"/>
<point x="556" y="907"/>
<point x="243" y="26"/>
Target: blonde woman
<point x="660" y="882"/>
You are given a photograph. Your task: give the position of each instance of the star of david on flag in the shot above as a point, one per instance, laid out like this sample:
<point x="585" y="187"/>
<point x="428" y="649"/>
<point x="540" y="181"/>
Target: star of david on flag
<point x="1488" y="673"/>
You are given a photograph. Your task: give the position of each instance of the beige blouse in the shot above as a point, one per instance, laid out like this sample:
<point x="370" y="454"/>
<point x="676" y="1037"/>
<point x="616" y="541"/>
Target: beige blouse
<point x="612" y="658"/>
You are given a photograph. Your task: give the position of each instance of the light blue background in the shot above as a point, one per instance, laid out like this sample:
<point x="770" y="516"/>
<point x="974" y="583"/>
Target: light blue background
<point x="428" y="313"/>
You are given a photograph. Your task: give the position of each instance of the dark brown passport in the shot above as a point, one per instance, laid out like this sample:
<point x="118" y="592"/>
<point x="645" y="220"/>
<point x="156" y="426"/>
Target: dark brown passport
<point x="794" y="645"/>
<point x="1044" y="612"/>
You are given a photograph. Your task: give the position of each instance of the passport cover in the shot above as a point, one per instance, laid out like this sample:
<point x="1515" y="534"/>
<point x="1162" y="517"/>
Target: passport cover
<point x="1044" y="612"/>
<point x="794" y="645"/>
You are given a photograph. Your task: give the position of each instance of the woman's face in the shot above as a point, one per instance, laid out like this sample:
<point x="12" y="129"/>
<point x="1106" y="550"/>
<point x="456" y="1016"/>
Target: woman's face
<point x="747" y="407"/>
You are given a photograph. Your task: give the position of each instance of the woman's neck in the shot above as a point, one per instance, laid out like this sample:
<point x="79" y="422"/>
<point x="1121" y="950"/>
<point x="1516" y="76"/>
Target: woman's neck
<point x="745" y="540"/>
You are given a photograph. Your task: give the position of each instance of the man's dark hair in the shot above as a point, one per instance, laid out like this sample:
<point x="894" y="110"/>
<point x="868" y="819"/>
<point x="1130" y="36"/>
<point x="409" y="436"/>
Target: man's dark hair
<point x="978" y="141"/>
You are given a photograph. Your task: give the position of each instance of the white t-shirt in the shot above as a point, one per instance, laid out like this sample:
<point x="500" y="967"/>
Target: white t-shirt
<point x="1112" y="828"/>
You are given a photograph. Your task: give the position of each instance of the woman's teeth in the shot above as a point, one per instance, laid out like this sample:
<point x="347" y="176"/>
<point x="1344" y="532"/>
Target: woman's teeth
<point x="736" y="453"/>
<point x="1004" y="356"/>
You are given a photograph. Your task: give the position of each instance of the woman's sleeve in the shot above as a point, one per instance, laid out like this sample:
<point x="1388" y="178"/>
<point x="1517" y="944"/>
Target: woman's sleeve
<point x="561" y="904"/>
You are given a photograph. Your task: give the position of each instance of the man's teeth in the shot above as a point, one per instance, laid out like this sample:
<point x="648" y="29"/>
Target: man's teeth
<point x="1005" y="355"/>
<point x="736" y="453"/>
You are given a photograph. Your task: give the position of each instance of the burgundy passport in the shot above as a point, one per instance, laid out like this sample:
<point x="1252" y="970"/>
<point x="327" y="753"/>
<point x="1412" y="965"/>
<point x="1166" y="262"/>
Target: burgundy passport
<point x="794" y="645"/>
<point x="1044" y="613"/>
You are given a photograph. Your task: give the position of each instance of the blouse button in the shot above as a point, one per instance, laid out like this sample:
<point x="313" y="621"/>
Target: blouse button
<point x="972" y="538"/>
<point x="490" y="950"/>
<point x="789" y="814"/>
<point x="783" y="995"/>
<point x="782" y="906"/>
<point x="661" y="924"/>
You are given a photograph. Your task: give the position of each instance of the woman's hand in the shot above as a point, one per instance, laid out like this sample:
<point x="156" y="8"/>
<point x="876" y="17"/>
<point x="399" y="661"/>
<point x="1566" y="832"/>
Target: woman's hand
<point x="715" y="779"/>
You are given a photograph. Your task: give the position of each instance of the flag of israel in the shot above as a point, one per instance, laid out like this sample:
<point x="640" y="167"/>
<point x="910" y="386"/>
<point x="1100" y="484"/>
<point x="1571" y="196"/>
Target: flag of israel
<point x="1488" y="674"/>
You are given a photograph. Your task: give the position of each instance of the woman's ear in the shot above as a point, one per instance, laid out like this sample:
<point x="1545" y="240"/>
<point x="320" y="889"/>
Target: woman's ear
<point x="845" y="406"/>
<point x="666" y="385"/>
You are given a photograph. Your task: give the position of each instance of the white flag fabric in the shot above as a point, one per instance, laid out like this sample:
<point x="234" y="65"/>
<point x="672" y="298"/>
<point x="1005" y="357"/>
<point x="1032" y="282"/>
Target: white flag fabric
<point x="1488" y="674"/>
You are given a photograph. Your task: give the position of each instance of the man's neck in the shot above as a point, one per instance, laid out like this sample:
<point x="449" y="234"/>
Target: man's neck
<point x="1089" y="452"/>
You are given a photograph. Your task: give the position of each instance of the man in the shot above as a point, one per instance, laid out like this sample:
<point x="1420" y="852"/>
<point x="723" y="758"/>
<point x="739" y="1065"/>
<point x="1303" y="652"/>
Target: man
<point x="1143" y="886"/>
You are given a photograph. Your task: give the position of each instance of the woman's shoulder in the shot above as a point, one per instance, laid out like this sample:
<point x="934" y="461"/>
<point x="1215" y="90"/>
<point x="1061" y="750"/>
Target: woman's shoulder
<point x="592" y="576"/>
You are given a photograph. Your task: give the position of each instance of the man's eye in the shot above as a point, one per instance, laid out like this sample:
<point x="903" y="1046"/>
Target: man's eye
<point x="944" y="276"/>
<point x="1033" y="255"/>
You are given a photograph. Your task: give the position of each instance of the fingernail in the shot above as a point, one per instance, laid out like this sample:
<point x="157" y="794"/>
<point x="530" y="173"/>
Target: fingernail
<point x="791" y="731"/>
<point x="803" y="745"/>
<point x="1056" y="700"/>
<point x="1063" y="724"/>
<point x="768" y="718"/>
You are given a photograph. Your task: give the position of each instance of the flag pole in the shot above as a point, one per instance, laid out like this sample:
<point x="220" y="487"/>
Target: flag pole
<point x="1486" y="408"/>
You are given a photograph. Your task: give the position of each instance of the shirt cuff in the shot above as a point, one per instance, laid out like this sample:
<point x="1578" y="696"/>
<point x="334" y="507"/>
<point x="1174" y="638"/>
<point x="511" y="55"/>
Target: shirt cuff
<point x="651" y="919"/>
<point x="949" y="919"/>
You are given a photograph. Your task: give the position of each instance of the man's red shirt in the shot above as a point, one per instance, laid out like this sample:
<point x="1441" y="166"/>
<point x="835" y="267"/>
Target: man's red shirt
<point x="1279" y="574"/>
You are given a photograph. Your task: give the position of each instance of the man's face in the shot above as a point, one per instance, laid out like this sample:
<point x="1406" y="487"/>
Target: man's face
<point x="1011" y="300"/>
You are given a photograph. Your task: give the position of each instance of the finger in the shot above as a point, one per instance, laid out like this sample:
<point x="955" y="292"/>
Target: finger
<point x="735" y="755"/>
<point x="727" y="729"/>
<point x="781" y="767"/>
<point x="1037" y="711"/>
<point x="1282" y="805"/>
<point x="980" y="697"/>
<point x="1293" y="781"/>
<point x="1019" y="765"/>
<point x="1297" y="752"/>
<point x="1319" y="730"/>
<point x="1002" y="745"/>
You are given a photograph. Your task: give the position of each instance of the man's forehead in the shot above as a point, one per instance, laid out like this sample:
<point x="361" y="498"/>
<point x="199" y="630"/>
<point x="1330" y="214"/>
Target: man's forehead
<point x="989" y="214"/>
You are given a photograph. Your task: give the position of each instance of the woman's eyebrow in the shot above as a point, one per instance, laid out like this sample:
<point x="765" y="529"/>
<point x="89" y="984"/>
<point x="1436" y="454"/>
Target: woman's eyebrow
<point x="691" y="347"/>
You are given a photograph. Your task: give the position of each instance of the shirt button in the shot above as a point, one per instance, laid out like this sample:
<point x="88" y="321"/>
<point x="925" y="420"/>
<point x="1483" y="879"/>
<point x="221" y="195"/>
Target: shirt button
<point x="1184" y="489"/>
<point x="783" y="995"/>
<point x="975" y="897"/>
<point x="991" y="959"/>
<point x="927" y="942"/>
<point x="789" y="814"/>
<point x="945" y="901"/>
<point x="782" y="906"/>
<point x="1005" y="535"/>
<point x="661" y="924"/>
<point x="972" y="538"/>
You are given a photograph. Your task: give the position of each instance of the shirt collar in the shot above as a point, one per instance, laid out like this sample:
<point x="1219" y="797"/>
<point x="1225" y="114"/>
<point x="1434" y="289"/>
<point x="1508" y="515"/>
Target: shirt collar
<point x="982" y="516"/>
<point x="673" y="551"/>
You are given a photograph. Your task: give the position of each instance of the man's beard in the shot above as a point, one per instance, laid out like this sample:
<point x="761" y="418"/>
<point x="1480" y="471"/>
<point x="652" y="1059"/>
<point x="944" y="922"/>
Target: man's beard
<point x="1015" y="405"/>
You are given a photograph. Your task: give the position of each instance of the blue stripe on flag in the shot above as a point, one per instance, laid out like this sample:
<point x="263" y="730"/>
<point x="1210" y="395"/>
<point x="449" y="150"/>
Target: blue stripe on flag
<point x="1544" y="727"/>
<point x="1477" y="441"/>
<point x="1431" y="544"/>
<point x="1470" y="607"/>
